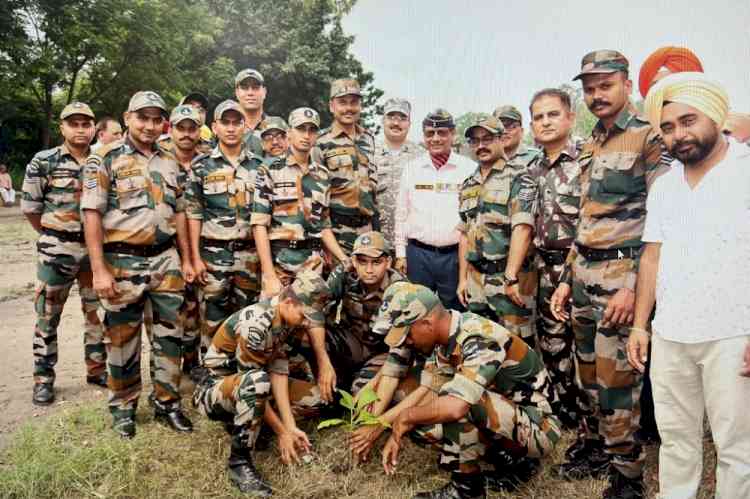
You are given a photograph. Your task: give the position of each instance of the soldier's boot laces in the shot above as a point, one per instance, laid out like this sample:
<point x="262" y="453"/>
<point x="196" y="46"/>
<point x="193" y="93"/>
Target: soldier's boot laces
<point x="622" y="487"/>
<point x="461" y="486"/>
<point x="242" y="471"/>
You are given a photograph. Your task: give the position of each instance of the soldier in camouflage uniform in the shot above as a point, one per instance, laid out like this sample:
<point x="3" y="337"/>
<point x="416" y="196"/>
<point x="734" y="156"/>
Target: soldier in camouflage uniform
<point x="619" y="162"/>
<point x="392" y="153"/>
<point x="291" y="220"/>
<point x="482" y="389"/>
<point x="274" y="137"/>
<point x="185" y="144"/>
<point x="558" y="176"/>
<point x="247" y="363"/>
<point x="200" y="102"/>
<point x="219" y="203"/>
<point x="51" y="196"/>
<point x="496" y="209"/>
<point x="346" y="150"/>
<point x="356" y="351"/>
<point x="133" y="206"/>
<point x="515" y="150"/>
<point x="250" y="90"/>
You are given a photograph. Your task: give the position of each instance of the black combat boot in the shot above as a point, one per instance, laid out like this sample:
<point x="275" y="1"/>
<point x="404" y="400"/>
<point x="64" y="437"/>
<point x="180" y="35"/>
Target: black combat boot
<point x="461" y="486"/>
<point x="589" y="462"/>
<point x="123" y="422"/>
<point x="622" y="487"/>
<point x="44" y="394"/>
<point x="510" y="472"/>
<point x="171" y="415"/>
<point x="241" y="470"/>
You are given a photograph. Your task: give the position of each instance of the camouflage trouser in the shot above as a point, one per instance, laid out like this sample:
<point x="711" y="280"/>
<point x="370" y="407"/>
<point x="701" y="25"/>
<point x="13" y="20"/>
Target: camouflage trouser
<point x="494" y="419"/>
<point x="487" y="298"/>
<point x="305" y="260"/>
<point x="612" y="387"/>
<point x="241" y="399"/>
<point x="556" y="341"/>
<point x="346" y="235"/>
<point x="141" y="280"/>
<point x="190" y="317"/>
<point x="59" y="263"/>
<point x="232" y="283"/>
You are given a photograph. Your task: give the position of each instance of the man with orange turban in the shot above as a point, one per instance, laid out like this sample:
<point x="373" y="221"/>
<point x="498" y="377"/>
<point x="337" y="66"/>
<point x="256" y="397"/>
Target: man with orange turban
<point x="668" y="60"/>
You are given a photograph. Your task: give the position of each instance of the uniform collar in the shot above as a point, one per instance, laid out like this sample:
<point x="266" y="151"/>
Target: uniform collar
<point x="337" y="130"/>
<point x="624" y="117"/>
<point x="217" y="153"/>
<point x="128" y="142"/>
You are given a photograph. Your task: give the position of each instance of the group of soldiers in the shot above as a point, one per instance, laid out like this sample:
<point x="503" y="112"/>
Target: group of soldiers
<point x="259" y="256"/>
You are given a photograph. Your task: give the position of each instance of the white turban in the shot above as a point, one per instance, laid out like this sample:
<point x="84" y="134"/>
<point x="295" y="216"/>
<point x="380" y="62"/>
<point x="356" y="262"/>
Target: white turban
<point x="692" y="89"/>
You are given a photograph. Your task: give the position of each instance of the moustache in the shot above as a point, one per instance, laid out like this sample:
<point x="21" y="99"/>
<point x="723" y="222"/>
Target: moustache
<point x="480" y="151"/>
<point x="599" y="102"/>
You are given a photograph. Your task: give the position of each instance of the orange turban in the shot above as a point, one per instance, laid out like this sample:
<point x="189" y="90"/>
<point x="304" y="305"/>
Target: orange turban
<point x="675" y="59"/>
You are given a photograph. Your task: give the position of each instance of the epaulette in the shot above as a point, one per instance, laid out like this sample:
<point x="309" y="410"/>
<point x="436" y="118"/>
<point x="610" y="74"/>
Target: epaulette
<point x="47" y="153"/>
<point x="106" y="149"/>
<point x="323" y="131"/>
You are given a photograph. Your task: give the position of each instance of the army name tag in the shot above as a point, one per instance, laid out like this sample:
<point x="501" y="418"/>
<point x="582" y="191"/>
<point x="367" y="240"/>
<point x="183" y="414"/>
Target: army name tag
<point x="424" y="187"/>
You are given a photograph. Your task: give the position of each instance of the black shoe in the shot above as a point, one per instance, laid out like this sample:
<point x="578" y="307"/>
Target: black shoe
<point x="461" y="486"/>
<point x="173" y="418"/>
<point x="622" y="487"/>
<point x="582" y="448"/>
<point x="510" y="478"/>
<point x="246" y="478"/>
<point x="44" y="394"/>
<point x="596" y="466"/>
<point x="198" y="374"/>
<point x="124" y="426"/>
<point x="98" y="380"/>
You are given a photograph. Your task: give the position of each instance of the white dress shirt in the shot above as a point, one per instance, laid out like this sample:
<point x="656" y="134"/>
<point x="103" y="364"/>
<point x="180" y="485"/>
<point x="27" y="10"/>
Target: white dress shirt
<point x="427" y="204"/>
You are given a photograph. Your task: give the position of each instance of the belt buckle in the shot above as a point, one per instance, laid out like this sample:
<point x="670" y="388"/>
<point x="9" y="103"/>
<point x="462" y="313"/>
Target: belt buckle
<point x="293" y="244"/>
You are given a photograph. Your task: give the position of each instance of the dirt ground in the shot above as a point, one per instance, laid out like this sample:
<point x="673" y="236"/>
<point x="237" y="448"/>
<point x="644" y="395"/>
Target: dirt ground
<point x="17" y="275"/>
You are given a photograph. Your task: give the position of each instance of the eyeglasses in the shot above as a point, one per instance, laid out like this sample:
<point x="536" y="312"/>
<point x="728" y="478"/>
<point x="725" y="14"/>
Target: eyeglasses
<point x="273" y="137"/>
<point x="441" y="132"/>
<point x="485" y="141"/>
<point x="396" y="117"/>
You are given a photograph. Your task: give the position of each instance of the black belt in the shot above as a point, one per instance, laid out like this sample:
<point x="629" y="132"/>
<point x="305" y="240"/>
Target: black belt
<point x="139" y="250"/>
<point x="435" y="249"/>
<point x="553" y="257"/>
<point x="303" y="244"/>
<point x="349" y="220"/>
<point x="72" y="237"/>
<point x="231" y="244"/>
<point x="601" y="255"/>
<point x="490" y="266"/>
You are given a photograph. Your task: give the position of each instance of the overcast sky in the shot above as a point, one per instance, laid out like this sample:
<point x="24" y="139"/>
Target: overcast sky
<point x="476" y="55"/>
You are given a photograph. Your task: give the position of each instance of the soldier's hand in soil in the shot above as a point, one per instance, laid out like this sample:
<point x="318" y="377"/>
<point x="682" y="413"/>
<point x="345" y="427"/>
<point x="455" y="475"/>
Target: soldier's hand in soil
<point x="363" y="439"/>
<point x="390" y="455"/>
<point x="462" y="292"/>
<point x="292" y="443"/>
<point x="199" y="267"/>
<point x="105" y="285"/>
<point x="188" y="273"/>
<point x="638" y="349"/>
<point x="327" y="381"/>
<point x="745" y="371"/>
<point x="271" y="285"/>
<point x="620" y="308"/>
<point x="558" y="304"/>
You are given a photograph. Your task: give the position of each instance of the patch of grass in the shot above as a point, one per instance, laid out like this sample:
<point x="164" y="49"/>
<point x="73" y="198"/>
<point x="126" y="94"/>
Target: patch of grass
<point x="74" y="454"/>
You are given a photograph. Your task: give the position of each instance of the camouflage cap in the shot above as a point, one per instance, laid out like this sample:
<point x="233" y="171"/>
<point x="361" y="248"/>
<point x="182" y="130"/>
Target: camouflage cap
<point x="303" y="115"/>
<point x="602" y="61"/>
<point x="77" y="108"/>
<point x="249" y="73"/>
<point x="273" y="123"/>
<point x="370" y="244"/>
<point x="195" y="97"/>
<point x="144" y="99"/>
<point x="403" y="304"/>
<point x="185" y="112"/>
<point x="489" y="123"/>
<point x="227" y="105"/>
<point x="439" y="118"/>
<point x="397" y="106"/>
<point x="314" y="294"/>
<point x="345" y="87"/>
<point x="507" y="113"/>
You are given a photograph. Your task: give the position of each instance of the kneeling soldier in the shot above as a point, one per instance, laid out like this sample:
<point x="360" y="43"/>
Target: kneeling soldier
<point x="483" y="388"/>
<point x="247" y="363"/>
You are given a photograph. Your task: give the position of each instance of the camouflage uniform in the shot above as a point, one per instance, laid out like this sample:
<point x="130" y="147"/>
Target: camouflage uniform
<point x="558" y="198"/>
<point x="357" y="352"/>
<point x="618" y="167"/>
<point x="220" y="195"/>
<point x="249" y="344"/>
<point x="292" y="202"/>
<point x="494" y="371"/>
<point x="489" y="209"/>
<point x="138" y="198"/>
<point x="52" y="188"/>
<point x="352" y="174"/>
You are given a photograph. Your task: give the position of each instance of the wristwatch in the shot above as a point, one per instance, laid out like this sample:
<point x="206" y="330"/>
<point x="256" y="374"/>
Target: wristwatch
<point x="509" y="281"/>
